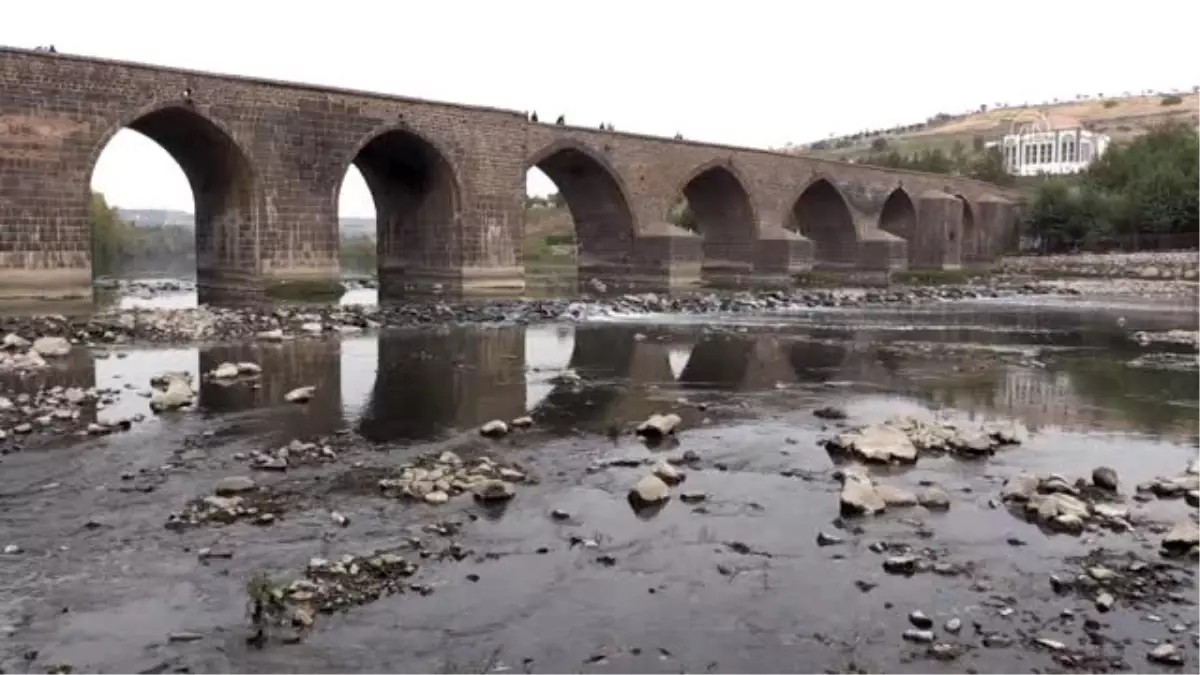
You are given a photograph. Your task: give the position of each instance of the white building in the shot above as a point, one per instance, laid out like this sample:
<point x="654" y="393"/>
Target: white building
<point x="1050" y="144"/>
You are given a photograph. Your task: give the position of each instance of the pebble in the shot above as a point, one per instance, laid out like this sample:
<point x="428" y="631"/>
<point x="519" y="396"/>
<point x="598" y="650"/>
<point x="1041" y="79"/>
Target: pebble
<point x="494" y="429"/>
<point x="953" y="625"/>
<point x="825" y="539"/>
<point x="437" y="497"/>
<point x="920" y="636"/>
<point x="1105" y="602"/>
<point x="12" y="549"/>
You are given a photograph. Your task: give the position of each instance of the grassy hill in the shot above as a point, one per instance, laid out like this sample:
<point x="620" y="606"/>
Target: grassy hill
<point x="1121" y="117"/>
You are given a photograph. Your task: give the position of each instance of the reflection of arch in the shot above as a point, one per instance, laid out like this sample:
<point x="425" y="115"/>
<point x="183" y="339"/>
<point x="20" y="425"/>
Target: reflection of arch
<point x="819" y="361"/>
<point x="717" y="197"/>
<point x="287" y="366"/>
<point x="603" y="358"/>
<point x="899" y="217"/>
<point x="429" y="382"/>
<point x="223" y="180"/>
<point x="718" y="362"/>
<point x="970" y="233"/>
<point x="597" y="199"/>
<point x="417" y="196"/>
<point x="822" y="214"/>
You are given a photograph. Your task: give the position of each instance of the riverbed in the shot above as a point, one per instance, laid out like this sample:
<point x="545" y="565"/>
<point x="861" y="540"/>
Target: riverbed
<point x="567" y="576"/>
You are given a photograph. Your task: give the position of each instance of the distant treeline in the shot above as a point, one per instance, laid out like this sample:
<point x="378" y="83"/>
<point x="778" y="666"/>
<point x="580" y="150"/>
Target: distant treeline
<point x="120" y="248"/>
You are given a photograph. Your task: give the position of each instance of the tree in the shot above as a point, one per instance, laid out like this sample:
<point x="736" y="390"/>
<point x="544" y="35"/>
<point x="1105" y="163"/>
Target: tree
<point x="111" y="236"/>
<point x="879" y="144"/>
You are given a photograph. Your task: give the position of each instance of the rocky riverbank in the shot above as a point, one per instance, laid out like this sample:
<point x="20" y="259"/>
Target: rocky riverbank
<point x="206" y="324"/>
<point x="1148" y="265"/>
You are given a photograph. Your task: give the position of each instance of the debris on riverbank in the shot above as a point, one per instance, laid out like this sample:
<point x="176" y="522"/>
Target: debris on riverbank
<point x="436" y="478"/>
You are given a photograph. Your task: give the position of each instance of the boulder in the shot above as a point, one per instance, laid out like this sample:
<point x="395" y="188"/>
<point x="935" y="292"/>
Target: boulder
<point x="859" y="496"/>
<point x="650" y="490"/>
<point x="14" y="342"/>
<point x="667" y="472"/>
<point x="178" y="394"/>
<point x="494" y="490"/>
<point x="1105" y="478"/>
<point x="1021" y="487"/>
<point x="659" y="426"/>
<point x="1181" y="537"/>
<point x="878" y="443"/>
<point x="247" y="368"/>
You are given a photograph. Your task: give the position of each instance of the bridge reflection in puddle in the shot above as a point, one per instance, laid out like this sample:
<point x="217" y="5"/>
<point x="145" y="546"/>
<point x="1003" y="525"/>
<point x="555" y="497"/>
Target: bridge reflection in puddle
<point x="415" y="385"/>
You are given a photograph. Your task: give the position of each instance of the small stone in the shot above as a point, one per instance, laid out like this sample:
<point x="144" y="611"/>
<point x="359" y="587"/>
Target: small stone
<point x="300" y="395"/>
<point x="52" y="346"/>
<point x="659" y="426"/>
<point x="919" y="636"/>
<point x="859" y="495"/>
<point x="225" y="371"/>
<point x="650" y="490"/>
<point x="693" y="497"/>
<point x="1105" y="602"/>
<point x="953" y="625"/>
<point x="830" y="412"/>
<point x="12" y="549"/>
<point x="824" y="539"/>
<point x="522" y="422"/>
<point x="232" y="485"/>
<point x="903" y="564"/>
<point x="436" y="497"/>
<point x="494" y="429"/>
<point x="919" y="619"/>
<point x="494" y="491"/>
<point x="560" y="515"/>
<point x="1050" y="644"/>
<point x="184" y="637"/>
<point x="339" y="519"/>
<point x="1166" y="654"/>
<point x="667" y="472"/>
<point x="247" y="368"/>
<point x="934" y="499"/>
<point x="1105" y="478"/>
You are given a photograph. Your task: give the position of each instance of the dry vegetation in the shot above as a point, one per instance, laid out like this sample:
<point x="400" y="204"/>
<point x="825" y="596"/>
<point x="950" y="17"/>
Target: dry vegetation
<point x="1121" y="117"/>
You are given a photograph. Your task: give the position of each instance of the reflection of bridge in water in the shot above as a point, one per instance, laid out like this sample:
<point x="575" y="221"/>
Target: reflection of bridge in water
<point x="410" y="385"/>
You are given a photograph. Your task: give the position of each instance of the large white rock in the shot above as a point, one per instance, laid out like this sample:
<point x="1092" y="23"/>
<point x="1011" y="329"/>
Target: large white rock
<point x="879" y="443"/>
<point x="894" y="496"/>
<point x="658" y="426"/>
<point x="650" y="490"/>
<point x="859" y="496"/>
<point x="15" y="342"/>
<point x="52" y="346"/>
<point x="1021" y="487"/>
<point x="225" y="371"/>
<point x="177" y="394"/>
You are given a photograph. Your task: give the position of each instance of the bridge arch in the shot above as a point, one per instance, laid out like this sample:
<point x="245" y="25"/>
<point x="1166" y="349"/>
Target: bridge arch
<point x="822" y="214"/>
<point x="714" y="203"/>
<point x="224" y="182"/>
<point x="417" y="194"/>
<point x="899" y="217"/>
<point x="596" y="198"/>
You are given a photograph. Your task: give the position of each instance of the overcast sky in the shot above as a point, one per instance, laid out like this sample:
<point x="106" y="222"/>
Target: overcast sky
<point x="753" y="72"/>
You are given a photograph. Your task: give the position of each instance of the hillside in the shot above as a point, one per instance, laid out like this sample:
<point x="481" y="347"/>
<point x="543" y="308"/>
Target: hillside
<point x="1121" y="117"/>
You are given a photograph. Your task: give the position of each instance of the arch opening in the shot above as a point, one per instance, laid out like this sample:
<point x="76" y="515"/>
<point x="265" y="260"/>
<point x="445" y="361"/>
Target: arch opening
<point x="822" y="215"/>
<point x="151" y="223"/>
<point x="414" y="191"/>
<point x="716" y="205"/>
<point x="899" y="217"/>
<point x="587" y="220"/>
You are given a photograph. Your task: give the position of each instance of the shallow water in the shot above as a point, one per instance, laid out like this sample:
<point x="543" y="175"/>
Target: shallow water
<point x="105" y="596"/>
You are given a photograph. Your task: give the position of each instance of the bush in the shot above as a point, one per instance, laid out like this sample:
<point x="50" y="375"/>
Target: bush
<point x="1111" y="103"/>
<point x="879" y="144"/>
<point x="1171" y="99"/>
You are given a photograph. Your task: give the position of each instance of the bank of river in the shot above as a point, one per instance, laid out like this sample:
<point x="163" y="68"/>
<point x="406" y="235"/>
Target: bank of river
<point x="566" y="576"/>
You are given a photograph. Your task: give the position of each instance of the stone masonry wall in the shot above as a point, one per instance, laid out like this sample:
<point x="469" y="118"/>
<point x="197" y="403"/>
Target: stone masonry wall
<point x="289" y="146"/>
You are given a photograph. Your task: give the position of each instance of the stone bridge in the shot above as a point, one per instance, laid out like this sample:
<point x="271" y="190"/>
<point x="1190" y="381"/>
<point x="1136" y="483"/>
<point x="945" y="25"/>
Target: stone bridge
<point x="266" y="160"/>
